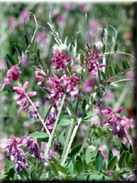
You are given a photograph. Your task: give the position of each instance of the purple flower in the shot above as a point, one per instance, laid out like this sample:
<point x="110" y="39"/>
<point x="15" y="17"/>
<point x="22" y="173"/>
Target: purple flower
<point x="50" y="154"/>
<point x="115" y="123"/>
<point x="43" y="40"/>
<point x="32" y="112"/>
<point x="16" y="153"/>
<point x="82" y="6"/>
<point x="51" y="120"/>
<point x="23" y="101"/>
<point x="40" y="75"/>
<point x="58" y="86"/>
<point x="13" y="74"/>
<point x="60" y="60"/>
<point x="32" y="144"/>
<point x="11" y="21"/>
<point x="108" y="97"/>
<point x="88" y="85"/>
<point x="24" y="15"/>
<point x="93" y="65"/>
<point x="60" y="20"/>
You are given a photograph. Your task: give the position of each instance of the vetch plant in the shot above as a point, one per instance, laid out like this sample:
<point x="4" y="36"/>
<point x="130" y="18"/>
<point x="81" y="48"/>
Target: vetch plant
<point x="74" y="87"/>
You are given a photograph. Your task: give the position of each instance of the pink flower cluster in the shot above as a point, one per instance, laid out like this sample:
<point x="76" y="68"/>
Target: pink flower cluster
<point x="88" y="85"/>
<point x="13" y="74"/>
<point x="115" y="123"/>
<point x="60" y="20"/>
<point x="60" y="84"/>
<point x="23" y="101"/>
<point x="93" y="65"/>
<point x="60" y="60"/>
<point x="14" y="150"/>
<point x="16" y="153"/>
<point x="40" y="75"/>
<point x="51" y="120"/>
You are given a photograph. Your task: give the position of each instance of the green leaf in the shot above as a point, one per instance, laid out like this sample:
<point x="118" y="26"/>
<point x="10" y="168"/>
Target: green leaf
<point x="95" y="177"/>
<point x="100" y="132"/>
<point x="55" y="161"/>
<point x="110" y="71"/>
<point x="110" y="155"/>
<point x="118" y="68"/>
<point x="38" y="135"/>
<point x="112" y="163"/>
<point x="124" y="64"/>
<point x="16" y="57"/>
<point x="2" y="177"/>
<point x="69" y="67"/>
<point x="106" y="178"/>
<point x="130" y="149"/>
<point x="122" y="159"/>
<point x="18" y="50"/>
<point x="61" y="169"/>
<point x="108" y="48"/>
<point x="33" y="176"/>
<point x="99" y="161"/>
<point x="84" y="104"/>
<point x="123" y="49"/>
<point x="89" y="114"/>
<point x="68" y="178"/>
<point x="103" y="75"/>
<point x="53" y="168"/>
<point x="94" y="154"/>
<point x="26" y="40"/>
<point x="127" y="63"/>
<point x="115" y="47"/>
<point x="61" y="136"/>
<point x="10" y="60"/>
<point x="75" y="151"/>
<point x="85" y="166"/>
<point x="106" y="72"/>
<point x="93" y="168"/>
<point x="88" y="156"/>
<point x="82" y="58"/>
<point x="79" y="166"/>
<point x="130" y="160"/>
<point x="124" y="147"/>
<point x="64" y="122"/>
<point x="103" y="48"/>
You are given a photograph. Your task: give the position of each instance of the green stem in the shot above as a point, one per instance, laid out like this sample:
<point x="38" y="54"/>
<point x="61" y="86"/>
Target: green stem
<point x="107" y="53"/>
<point x="55" y="125"/>
<point x="70" y="141"/>
<point x="26" y="175"/>
<point x="68" y="138"/>
<point x="40" y="171"/>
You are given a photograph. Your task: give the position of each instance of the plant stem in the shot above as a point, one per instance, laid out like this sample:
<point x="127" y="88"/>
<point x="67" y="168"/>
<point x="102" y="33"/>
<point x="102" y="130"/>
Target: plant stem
<point x="107" y="53"/>
<point x="68" y="138"/>
<point x="47" y="114"/>
<point x="26" y="175"/>
<point x="55" y="125"/>
<point x="1" y="85"/>
<point x="71" y="140"/>
<point x="40" y="118"/>
<point x="40" y="171"/>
